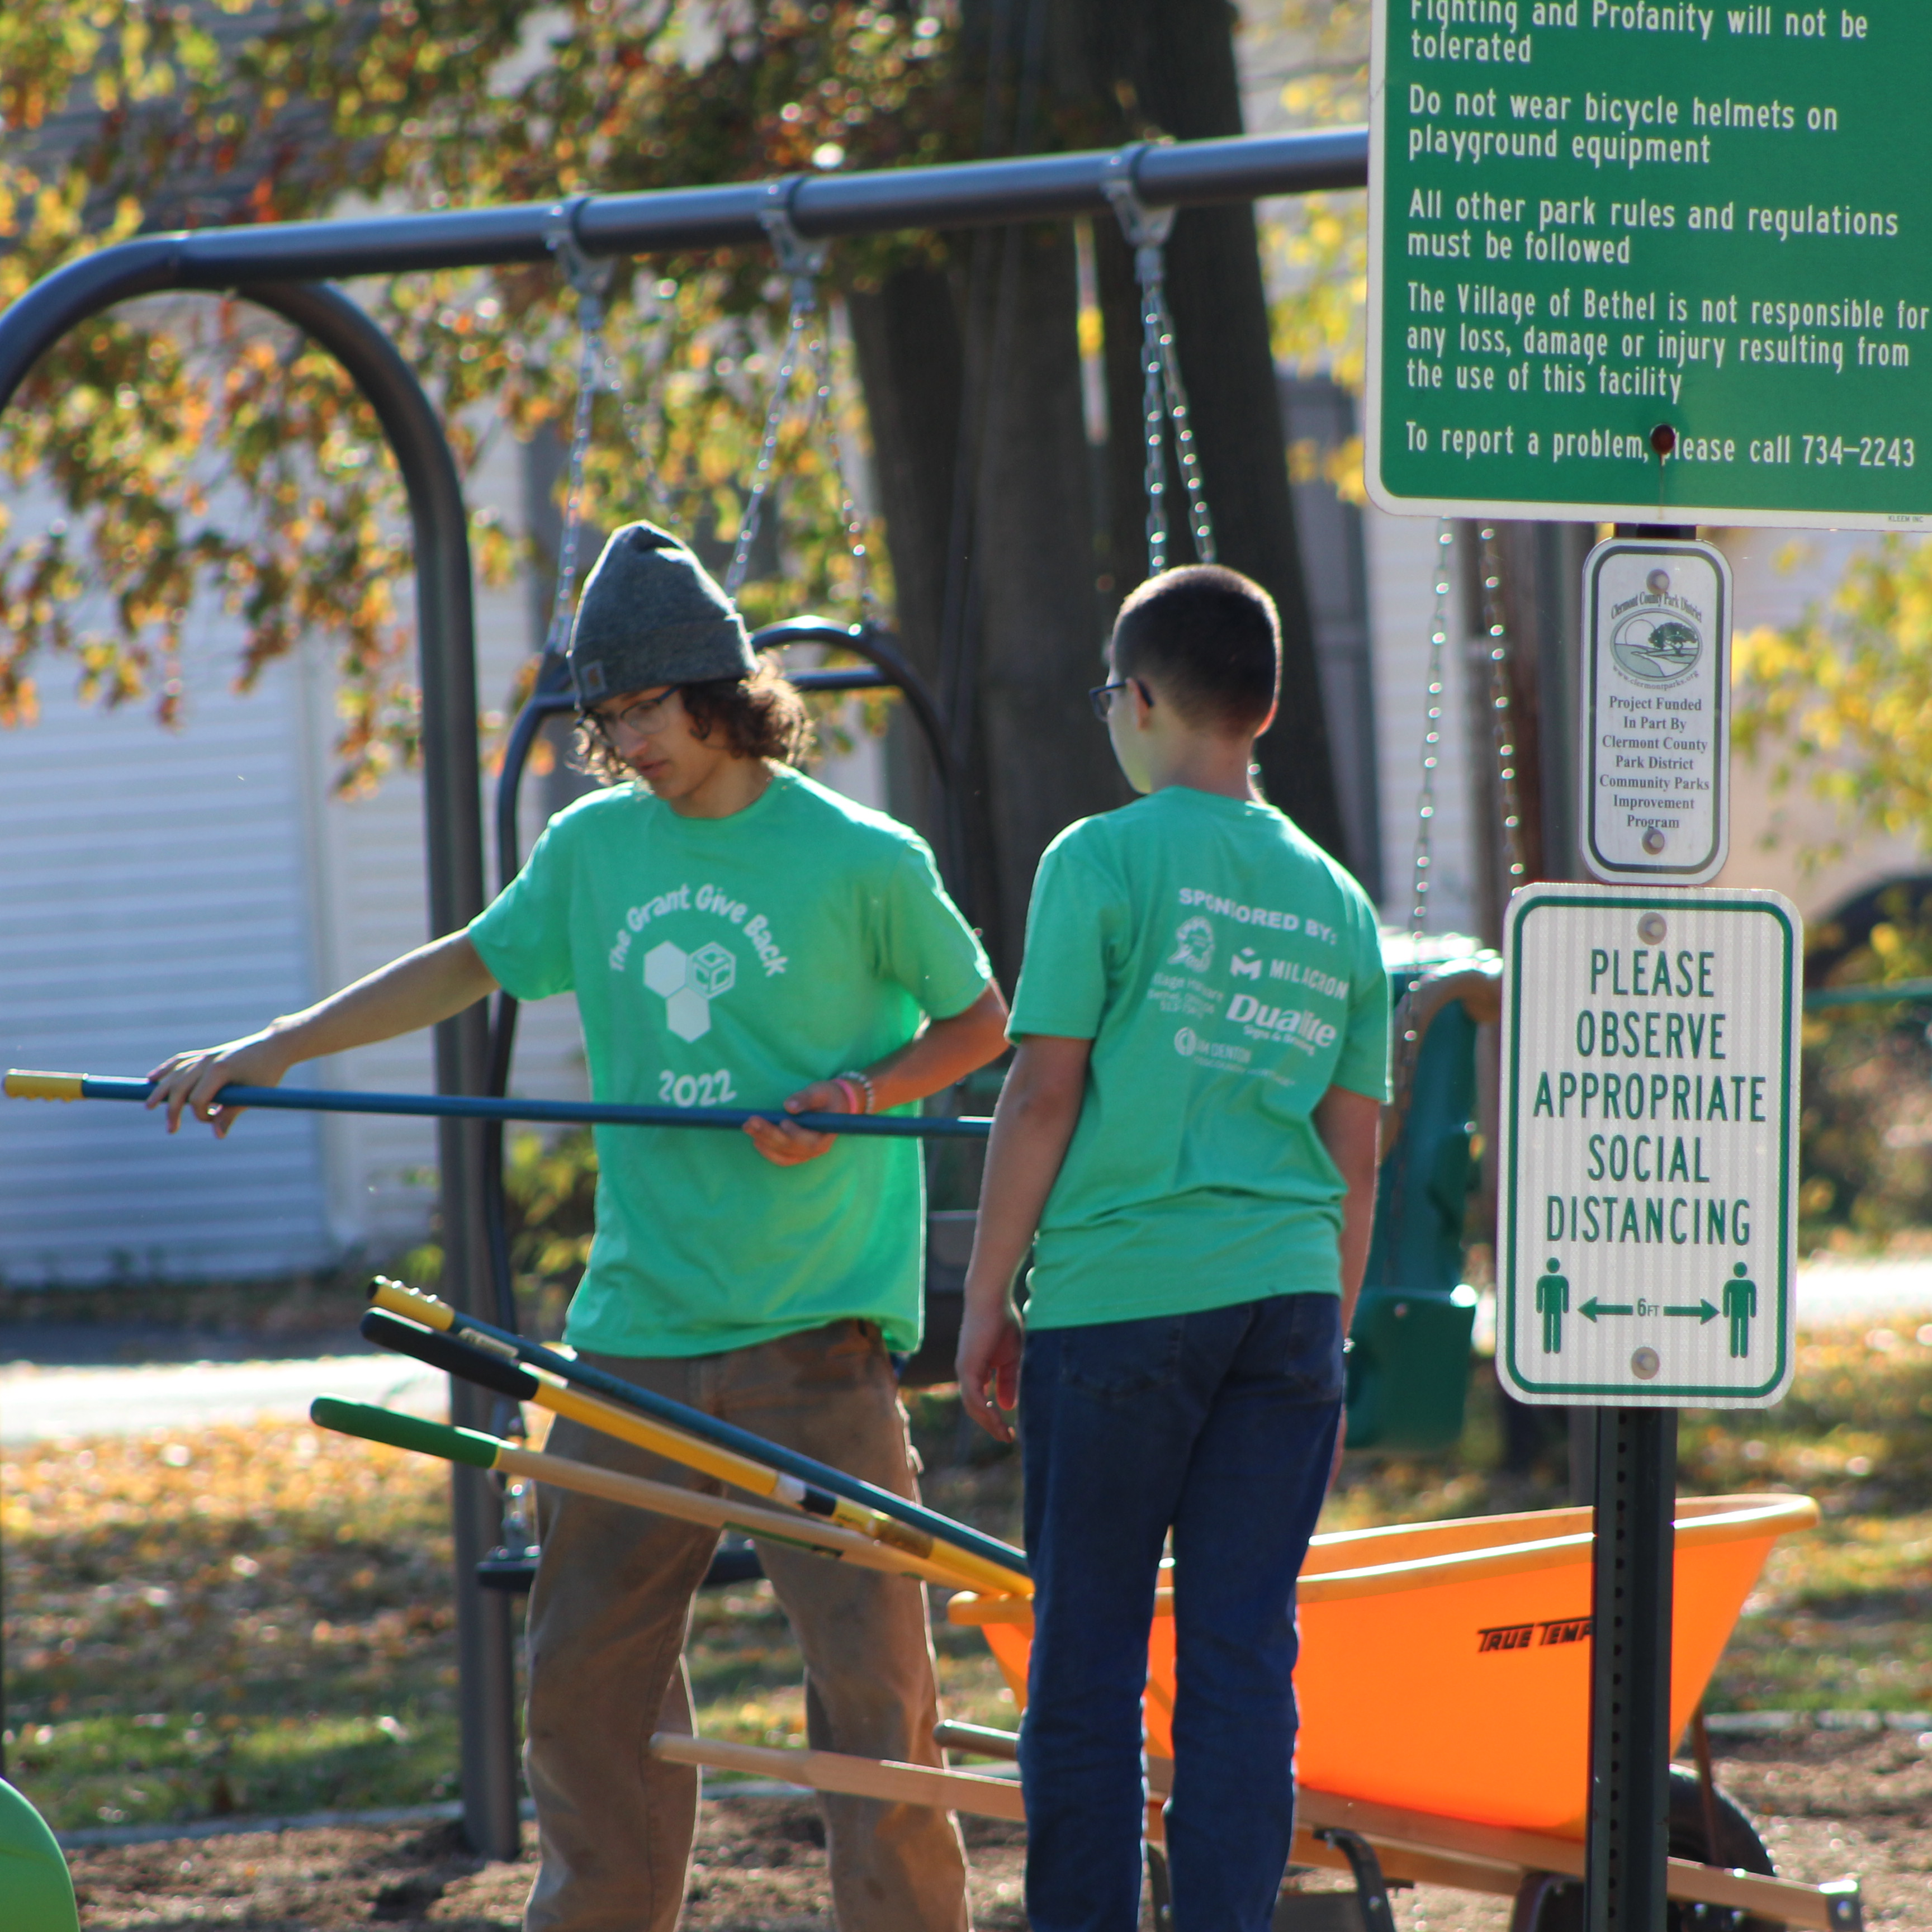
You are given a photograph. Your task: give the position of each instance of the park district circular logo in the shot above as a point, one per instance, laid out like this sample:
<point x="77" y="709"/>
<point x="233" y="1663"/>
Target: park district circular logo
<point x="1659" y="643"/>
<point x="1193" y="945"/>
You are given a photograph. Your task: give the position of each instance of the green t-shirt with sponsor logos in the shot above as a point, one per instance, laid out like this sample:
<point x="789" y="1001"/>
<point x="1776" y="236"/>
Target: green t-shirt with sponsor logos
<point x="729" y="962"/>
<point x="1228" y="974"/>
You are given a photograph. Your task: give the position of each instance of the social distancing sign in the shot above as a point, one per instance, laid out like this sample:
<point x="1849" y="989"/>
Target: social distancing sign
<point x="1648" y="1146"/>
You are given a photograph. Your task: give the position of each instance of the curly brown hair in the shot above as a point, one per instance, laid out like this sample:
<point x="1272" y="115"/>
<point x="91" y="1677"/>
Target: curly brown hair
<point x="762" y="716"/>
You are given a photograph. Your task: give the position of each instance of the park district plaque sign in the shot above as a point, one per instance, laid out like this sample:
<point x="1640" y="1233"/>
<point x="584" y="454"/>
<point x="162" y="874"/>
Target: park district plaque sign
<point x="1641" y="263"/>
<point x="1648" y="1146"/>
<point x="1655" y="761"/>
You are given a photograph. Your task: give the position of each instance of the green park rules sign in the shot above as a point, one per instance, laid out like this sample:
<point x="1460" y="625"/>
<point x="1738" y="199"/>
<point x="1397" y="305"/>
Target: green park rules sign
<point x="1651" y="263"/>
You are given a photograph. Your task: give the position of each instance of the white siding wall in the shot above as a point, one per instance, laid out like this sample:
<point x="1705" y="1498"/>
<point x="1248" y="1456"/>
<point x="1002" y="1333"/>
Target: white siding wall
<point x="153" y="894"/>
<point x="372" y="897"/>
<point x="1402" y="557"/>
<point x="160" y="890"/>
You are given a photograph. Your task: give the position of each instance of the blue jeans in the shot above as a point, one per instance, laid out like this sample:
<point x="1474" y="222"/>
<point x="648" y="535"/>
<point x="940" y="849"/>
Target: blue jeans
<point x="1221" y="1425"/>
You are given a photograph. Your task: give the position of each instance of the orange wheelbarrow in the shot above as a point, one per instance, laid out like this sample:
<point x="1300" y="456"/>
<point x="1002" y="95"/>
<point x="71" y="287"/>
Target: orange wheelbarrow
<point x="1444" y="1686"/>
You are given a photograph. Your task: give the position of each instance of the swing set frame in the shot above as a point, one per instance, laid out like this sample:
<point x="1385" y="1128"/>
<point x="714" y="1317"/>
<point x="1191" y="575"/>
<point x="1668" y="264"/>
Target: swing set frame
<point x="290" y="269"/>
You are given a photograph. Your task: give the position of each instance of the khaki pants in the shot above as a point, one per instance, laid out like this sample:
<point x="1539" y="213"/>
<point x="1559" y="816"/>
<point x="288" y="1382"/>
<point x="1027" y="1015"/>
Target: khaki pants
<point x="608" y="1615"/>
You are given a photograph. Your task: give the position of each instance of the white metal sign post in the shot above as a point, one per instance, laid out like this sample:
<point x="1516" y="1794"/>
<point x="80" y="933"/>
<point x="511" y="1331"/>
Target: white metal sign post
<point x="1654" y="767"/>
<point x="1648" y="1150"/>
<point x="1648" y="1147"/>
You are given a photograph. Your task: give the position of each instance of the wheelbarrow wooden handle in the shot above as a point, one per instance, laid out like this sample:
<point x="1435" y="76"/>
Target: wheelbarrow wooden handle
<point x="968" y="1791"/>
<point x="1512" y="1854"/>
<point x="1411" y="1845"/>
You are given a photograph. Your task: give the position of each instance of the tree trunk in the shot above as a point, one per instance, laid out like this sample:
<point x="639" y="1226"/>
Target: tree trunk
<point x="911" y="359"/>
<point x="1047" y="758"/>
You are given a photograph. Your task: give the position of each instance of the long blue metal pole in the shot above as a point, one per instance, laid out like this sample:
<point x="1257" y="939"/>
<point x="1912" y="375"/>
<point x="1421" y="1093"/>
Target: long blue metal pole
<point x="478" y="1107"/>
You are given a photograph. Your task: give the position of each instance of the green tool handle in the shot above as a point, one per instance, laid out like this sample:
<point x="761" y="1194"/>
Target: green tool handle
<point x="404" y="1432"/>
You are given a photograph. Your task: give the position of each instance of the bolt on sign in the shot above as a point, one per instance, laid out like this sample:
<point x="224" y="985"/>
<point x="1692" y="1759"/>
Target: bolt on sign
<point x="1655" y="765"/>
<point x="1651" y="263"/>
<point x="1648" y="1147"/>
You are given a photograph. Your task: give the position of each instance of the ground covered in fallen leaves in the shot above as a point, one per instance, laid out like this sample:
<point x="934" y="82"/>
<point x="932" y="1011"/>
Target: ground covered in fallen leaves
<point x="1827" y="1804"/>
<point x="758" y="1866"/>
<point x="257" y="1622"/>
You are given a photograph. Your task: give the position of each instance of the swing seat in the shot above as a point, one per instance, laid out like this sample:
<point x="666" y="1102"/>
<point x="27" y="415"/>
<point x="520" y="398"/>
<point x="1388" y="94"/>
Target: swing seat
<point x="1445" y="1667"/>
<point x="36" y="1892"/>
<point x="1408" y="1356"/>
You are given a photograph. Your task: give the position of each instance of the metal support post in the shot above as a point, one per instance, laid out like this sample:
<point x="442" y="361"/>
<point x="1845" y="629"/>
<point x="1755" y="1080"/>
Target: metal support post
<point x="452" y="811"/>
<point x="1629" y="1669"/>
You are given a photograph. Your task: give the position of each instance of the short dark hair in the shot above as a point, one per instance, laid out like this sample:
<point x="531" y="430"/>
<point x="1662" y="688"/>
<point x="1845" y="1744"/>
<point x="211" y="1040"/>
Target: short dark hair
<point x="1210" y="638"/>
<point x="762" y="716"/>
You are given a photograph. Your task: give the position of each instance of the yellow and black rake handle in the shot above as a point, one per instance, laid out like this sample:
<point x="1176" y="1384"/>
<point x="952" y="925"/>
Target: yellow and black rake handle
<point x="943" y="1562"/>
<point x="482" y="1451"/>
<point x="504" y="1344"/>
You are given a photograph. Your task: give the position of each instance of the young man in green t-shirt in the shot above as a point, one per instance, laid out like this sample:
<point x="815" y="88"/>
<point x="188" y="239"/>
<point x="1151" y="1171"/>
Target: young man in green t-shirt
<point x="1186" y="1140"/>
<point x="734" y="934"/>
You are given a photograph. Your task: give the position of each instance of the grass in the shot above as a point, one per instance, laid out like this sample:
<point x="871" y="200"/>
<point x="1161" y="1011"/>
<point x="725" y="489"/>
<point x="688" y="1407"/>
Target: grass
<point x="258" y="1619"/>
<point x="235" y="1620"/>
<point x="1843" y="1618"/>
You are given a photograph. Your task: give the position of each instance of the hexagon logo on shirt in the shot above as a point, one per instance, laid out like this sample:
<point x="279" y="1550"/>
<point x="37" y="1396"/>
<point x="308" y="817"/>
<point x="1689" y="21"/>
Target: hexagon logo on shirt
<point x="688" y="982"/>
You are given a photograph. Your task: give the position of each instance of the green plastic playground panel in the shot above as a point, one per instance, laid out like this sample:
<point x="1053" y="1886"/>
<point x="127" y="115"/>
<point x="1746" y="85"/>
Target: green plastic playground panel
<point x="1408" y="1370"/>
<point x="1408" y="1367"/>
<point x="36" y="1894"/>
<point x="1422" y="1195"/>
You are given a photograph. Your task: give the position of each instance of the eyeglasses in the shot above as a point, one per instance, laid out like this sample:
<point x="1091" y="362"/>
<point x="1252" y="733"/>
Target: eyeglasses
<point x="1102" y="696"/>
<point x="635" y="720"/>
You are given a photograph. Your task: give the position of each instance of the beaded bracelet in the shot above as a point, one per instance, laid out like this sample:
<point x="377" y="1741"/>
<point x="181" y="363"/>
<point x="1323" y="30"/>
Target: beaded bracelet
<point x="863" y="1080"/>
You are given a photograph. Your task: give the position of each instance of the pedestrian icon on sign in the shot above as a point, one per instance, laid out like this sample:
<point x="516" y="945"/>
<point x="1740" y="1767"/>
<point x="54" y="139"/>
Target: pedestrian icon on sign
<point x="1553" y="1304"/>
<point x="1740" y="1305"/>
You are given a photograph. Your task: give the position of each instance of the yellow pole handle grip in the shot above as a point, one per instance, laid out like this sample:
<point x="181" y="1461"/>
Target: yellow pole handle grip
<point x="21" y="1083"/>
<point x="412" y="1303"/>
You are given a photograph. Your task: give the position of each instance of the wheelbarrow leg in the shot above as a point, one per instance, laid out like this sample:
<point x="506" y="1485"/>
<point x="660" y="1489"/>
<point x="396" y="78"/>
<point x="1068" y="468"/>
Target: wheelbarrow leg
<point x="1538" y="1890"/>
<point x="1158" y="1885"/>
<point x="1371" y="1891"/>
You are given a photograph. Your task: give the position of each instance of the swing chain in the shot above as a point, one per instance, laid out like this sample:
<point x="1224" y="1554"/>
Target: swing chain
<point x="851" y="517"/>
<point x="1501" y="710"/>
<point x="1164" y="397"/>
<point x="643" y="428"/>
<point x="1432" y="735"/>
<point x="803" y="262"/>
<point x="592" y="282"/>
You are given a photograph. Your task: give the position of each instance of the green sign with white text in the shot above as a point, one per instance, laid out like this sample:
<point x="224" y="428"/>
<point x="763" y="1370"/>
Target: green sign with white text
<point x="1648" y="262"/>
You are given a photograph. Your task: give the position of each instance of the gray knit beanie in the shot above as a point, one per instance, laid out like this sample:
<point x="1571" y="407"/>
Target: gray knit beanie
<point x="651" y="614"/>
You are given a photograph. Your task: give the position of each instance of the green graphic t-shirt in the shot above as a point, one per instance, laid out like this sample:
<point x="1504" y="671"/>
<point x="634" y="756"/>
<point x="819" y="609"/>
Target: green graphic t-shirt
<point x="728" y="962"/>
<point x="1228" y="974"/>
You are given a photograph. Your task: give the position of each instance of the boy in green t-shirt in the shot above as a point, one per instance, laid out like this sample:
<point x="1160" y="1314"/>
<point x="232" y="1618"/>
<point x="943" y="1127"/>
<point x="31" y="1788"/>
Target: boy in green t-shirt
<point x="734" y="934"/>
<point x="1187" y="1142"/>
